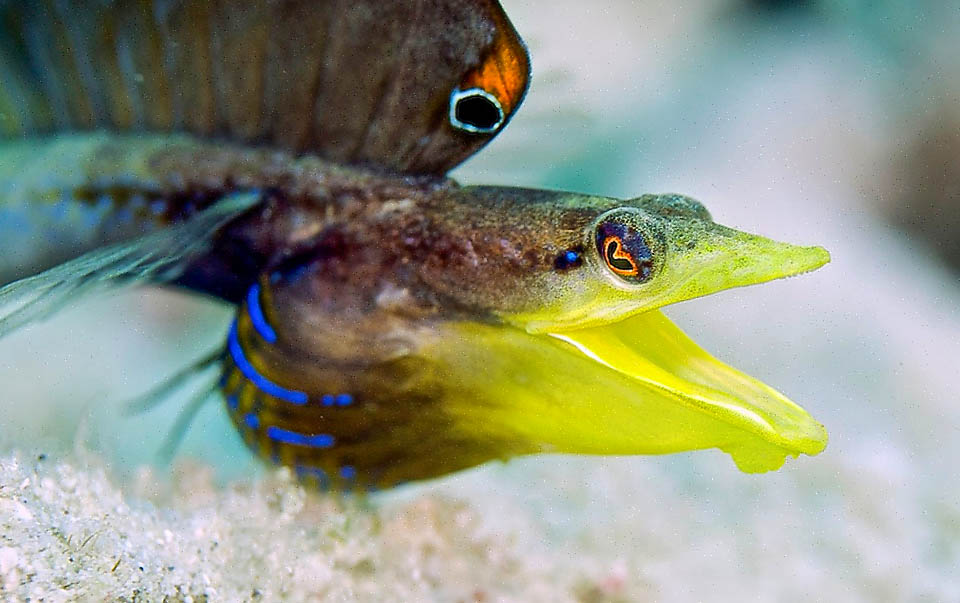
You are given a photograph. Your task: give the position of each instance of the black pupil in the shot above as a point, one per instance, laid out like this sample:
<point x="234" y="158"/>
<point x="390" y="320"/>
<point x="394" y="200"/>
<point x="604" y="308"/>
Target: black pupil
<point x="477" y="111"/>
<point x="618" y="263"/>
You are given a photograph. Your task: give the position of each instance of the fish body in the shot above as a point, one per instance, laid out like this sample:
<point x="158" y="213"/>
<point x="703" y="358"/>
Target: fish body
<point x="391" y="324"/>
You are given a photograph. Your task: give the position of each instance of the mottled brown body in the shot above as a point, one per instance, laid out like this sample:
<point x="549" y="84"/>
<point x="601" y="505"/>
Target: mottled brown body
<point x="376" y="246"/>
<point x="372" y="231"/>
<point x="356" y="269"/>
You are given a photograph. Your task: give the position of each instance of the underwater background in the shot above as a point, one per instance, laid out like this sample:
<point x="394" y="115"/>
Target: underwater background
<point x="831" y="122"/>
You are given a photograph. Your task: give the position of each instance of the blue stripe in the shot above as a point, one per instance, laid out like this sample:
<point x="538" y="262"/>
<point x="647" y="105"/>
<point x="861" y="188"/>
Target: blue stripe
<point x="256" y="315"/>
<point x="252" y="420"/>
<point x="339" y="399"/>
<point x="348" y="472"/>
<point x="321" y="440"/>
<point x="233" y="402"/>
<point x="263" y="384"/>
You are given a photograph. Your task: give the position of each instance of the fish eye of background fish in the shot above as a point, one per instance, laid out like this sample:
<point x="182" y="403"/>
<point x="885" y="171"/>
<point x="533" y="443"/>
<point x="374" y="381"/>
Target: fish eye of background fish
<point x="475" y="111"/>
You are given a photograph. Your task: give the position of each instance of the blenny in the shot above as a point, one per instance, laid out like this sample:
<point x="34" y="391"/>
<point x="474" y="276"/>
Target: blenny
<point x="289" y="158"/>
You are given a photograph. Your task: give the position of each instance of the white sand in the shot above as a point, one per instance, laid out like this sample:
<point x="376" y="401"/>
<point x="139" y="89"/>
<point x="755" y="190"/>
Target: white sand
<point x="69" y="533"/>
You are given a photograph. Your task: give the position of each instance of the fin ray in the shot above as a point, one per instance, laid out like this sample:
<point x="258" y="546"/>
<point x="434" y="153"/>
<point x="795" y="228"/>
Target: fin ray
<point x="156" y="257"/>
<point x="353" y="81"/>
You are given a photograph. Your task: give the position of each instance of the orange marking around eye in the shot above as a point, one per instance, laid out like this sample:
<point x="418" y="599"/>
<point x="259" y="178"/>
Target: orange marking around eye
<point x="504" y="69"/>
<point x="618" y="257"/>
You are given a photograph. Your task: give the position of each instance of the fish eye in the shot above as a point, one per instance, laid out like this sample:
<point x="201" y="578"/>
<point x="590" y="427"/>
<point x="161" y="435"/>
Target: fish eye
<point x="475" y="111"/>
<point x="625" y="250"/>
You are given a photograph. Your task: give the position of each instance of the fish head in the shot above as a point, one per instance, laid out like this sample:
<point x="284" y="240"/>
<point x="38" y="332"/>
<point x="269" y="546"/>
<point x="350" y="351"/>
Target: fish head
<point x="645" y="253"/>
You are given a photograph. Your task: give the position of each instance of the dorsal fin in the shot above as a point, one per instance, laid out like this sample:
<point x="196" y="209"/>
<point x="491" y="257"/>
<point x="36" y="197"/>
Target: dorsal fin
<point x="408" y="85"/>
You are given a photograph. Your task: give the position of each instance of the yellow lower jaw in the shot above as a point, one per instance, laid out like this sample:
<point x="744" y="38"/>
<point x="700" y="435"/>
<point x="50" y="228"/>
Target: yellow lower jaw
<point x="639" y="386"/>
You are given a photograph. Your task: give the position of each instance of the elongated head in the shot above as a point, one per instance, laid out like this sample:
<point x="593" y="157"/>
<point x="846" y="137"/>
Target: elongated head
<point x="548" y="261"/>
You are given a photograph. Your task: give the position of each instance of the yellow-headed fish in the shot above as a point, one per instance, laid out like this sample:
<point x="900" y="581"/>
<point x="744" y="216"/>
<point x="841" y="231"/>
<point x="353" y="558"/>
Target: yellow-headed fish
<point x="289" y="158"/>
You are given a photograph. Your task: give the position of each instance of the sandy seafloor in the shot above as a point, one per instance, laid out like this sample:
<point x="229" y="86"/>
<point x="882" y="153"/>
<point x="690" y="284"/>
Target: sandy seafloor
<point x="795" y="125"/>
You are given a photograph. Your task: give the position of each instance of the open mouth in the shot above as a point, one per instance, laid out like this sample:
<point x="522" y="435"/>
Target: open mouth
<point x="751" y="421"/>
<point x="638" y="386"/>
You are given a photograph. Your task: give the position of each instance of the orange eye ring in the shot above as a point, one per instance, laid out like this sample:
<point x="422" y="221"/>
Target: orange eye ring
<point x="618" y="259"/>
<point x="625" y="250"/>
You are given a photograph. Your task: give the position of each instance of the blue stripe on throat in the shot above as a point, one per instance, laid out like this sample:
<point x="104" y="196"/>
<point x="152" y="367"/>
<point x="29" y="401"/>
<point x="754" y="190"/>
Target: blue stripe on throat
<point x="257" y="317"/>
<point x="262" y="383"/>
<point x="338" y="400"/>
<point x="285" y="436"/>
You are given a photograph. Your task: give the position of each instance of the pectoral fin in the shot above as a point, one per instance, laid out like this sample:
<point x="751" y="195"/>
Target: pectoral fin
<point x="640" y="386"/>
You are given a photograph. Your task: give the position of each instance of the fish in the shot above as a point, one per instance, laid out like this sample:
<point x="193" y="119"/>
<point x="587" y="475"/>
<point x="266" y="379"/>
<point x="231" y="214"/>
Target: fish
<point x="391" y="325"/>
